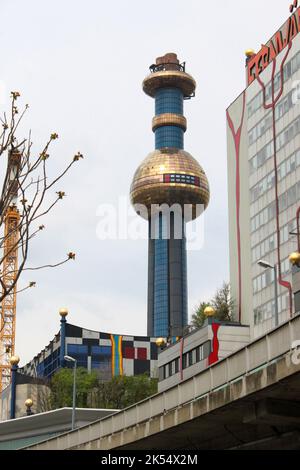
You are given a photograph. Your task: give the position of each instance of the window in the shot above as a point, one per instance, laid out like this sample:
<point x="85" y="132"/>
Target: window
<point x="142" y="354"/>
<point x="183" y="179"/>
<point x="190" y="358"/>
<point x="128" y="353"/>
<point x="101" y="357"/>
<point x="79" y="352"/>
<point x="161" y="374"/>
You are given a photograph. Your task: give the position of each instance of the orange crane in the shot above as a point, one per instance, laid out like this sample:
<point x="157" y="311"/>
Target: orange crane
<point x="9" y="270"/>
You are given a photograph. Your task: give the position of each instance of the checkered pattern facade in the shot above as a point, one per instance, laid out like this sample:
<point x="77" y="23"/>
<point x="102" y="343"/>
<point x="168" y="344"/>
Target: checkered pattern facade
<point x="109" y="354"/>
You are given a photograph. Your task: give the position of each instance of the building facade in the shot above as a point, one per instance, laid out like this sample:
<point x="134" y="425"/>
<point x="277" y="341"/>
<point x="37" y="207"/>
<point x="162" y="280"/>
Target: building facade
<point x="199" y="350"/>
<point x="110" y="354"/>
<point x="263" y="128"/>
<point x="168" y="181"/>
<point x="25" y="387"/>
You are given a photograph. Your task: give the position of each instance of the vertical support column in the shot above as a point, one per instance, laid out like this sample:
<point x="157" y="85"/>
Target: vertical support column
<point x="63" y="313"/>
<point x="161" y="317"/>
<point x="177" y="282"/>
<point x="150" y="322"/>
<point x="14" y="361"/>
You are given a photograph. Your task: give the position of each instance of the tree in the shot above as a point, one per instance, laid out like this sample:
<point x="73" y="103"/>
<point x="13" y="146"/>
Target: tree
<point x="61" y="386"/>
<point x="26" y="189"/>
<point x="123" y="391"/>
<point x="221" y="302"/>
<point x="199" y="317"/>
<point x="118" y="393"/>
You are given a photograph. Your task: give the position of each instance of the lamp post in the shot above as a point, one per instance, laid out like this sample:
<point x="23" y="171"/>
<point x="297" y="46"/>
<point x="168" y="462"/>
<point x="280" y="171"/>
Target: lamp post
<point x="14" y="361"/>
<point x="71" y="359"/>
<point x="267" y="265"/>
<point x="29" y="404"/>
<point x="63" y="312"/>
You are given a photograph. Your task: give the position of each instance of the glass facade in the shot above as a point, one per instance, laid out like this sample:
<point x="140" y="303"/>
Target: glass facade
<point x="169" y="264"/>
<point x="169" y="136"/>
<point x="184" y="279"/>
<point x="101" y="358"/>
<point x="161" y="284"/>
<point x="49" y="365"/>
<point x="169" y="100"/>
<point x="79" y="352"/>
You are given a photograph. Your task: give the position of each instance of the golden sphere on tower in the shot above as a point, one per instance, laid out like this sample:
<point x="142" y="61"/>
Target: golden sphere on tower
<point x="160" y="342"/>
<point x="249" y="53"/>
<point x="295" y="259"/>
<point x="209" y="312"/>
<point x="14" y="360"/>
<point x="170" y="176"/>
<point x="28" y="403"/>
<point x="63" y="312"/>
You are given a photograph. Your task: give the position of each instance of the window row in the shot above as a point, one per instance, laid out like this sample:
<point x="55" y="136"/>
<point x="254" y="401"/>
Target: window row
<point x="183" y="179"/>
<point x="290" y="69"/>
<point x="190" y="358"/>
<point x="282" y="139"/>
<point x="267" y="311"/>
<point x="102" y="354"/>
<point x="270" y="244"/>
<point x="268" y="276"/>
<point x="288" y="134"/>
<point x="265" y="124"/>
<point x="49" y="371"/>
<point x="263" y="217"/>
<point x="53" y="356"/>
<point x="268" y="182"/>
<point x="287" y="199"/>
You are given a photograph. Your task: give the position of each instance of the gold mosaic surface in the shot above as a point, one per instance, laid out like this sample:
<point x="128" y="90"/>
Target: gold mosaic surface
<point x="148" y="185"/>
<point x="169" y="119"/>
<point x="169" y="78"/>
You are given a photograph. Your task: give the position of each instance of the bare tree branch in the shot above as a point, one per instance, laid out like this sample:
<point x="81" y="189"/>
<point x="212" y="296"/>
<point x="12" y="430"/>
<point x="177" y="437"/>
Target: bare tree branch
<point x="24" y="200"/>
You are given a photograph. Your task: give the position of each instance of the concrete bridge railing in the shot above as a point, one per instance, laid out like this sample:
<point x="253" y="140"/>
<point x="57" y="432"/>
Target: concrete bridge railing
<point x="256" y="355"/>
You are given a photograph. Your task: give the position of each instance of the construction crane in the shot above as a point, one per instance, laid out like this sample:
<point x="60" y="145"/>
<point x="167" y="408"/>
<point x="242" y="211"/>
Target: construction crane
<point x="9" y="269"/>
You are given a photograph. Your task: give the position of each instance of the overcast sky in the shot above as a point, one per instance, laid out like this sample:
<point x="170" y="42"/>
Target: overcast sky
<point x="80" y="65"/>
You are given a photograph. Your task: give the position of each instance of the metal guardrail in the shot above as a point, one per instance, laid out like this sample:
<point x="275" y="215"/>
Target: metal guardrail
<point x="242" y="362"/>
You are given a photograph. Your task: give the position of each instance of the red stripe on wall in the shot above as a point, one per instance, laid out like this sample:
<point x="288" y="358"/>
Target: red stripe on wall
<point x="214" y="355"/>
<point x="237" y="143"/>
<point x="181" y="358"/>
<point x="272" y="106"/>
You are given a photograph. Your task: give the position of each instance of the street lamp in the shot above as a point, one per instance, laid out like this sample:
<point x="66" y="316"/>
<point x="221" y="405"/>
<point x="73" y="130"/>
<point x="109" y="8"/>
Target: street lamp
<point x="71" y="359"/>
<point x="267" y="265"/>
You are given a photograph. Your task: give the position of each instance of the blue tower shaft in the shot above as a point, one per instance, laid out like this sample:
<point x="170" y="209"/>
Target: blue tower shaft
<point x="169" y="100"/>
<point x="167" y="277"/>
